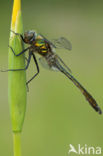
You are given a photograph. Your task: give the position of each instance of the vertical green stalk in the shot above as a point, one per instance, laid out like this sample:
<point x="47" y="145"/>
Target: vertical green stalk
<point x="16" y="79"/>
<point x="17" y="144"/>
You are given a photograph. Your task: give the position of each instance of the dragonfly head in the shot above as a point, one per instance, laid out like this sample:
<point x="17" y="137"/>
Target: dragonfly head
<point x="29" y="36"/>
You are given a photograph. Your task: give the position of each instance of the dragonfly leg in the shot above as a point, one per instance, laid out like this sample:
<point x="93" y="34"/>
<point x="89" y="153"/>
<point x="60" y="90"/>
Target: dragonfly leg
<point x="15" y="32"/>
<point x="18" y="34"/>
<point x="28" y="62"/>
<point x="20" y="52"/>
<point x="26" y="58"/>
<point x="37" y="66"/>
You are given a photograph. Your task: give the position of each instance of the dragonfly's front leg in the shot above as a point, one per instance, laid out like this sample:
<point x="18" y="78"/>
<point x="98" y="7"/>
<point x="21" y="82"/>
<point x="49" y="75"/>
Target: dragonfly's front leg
<point x="28" y="62"/>
<point x="20" y="52"/>
<point x="18" y="34"/>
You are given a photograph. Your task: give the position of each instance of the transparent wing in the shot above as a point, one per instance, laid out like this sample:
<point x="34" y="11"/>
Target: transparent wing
<point x="51" y="66"/>
<point x="48" y="41"/>
<point x="61" y="42"/>
<point x="46" y="65"/>
<point x="63" y="64"/>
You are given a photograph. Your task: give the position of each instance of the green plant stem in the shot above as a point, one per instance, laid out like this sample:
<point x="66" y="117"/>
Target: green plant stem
<point x="17" y="91"/>
<point x="17" y="143"/>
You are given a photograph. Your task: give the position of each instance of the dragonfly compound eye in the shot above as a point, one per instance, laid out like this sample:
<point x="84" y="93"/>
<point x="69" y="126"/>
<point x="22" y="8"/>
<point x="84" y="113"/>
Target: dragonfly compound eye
<point x="29" y="36"/>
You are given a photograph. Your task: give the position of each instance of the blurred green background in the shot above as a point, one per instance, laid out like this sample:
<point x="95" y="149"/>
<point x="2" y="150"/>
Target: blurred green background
<point x="57" y="114"/>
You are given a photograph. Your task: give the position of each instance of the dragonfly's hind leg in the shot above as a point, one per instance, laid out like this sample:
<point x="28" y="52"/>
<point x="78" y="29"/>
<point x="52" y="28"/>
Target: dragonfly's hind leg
<point x="37" y="66"/>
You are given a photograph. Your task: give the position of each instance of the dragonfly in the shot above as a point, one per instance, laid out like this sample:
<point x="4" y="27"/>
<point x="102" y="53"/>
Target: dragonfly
<point x="38" y="44"/>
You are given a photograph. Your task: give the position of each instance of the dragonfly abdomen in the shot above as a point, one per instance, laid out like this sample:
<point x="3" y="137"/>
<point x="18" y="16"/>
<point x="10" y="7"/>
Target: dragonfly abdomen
<point x="87" y="95"/>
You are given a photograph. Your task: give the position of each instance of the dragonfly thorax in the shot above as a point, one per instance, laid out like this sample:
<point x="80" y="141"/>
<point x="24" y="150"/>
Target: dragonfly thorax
<point x="42" y="46"/>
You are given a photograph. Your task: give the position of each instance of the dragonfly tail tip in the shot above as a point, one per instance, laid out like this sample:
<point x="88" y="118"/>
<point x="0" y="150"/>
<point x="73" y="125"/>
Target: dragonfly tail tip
<point x="99" y="111"/>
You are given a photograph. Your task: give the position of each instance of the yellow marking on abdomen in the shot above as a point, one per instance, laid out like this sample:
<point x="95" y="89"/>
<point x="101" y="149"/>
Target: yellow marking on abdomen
<point x="43" y="47"/>
<point x="44" y="51"/>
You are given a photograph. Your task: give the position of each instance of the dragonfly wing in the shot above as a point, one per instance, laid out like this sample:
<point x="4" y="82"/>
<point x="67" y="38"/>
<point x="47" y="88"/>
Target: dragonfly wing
<point x="59" y="43"/>
<point x="62" y="42"/>
<point x="48" y="41"/>
<point x="63" y="64"/>
<point x="45" y="64"/>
